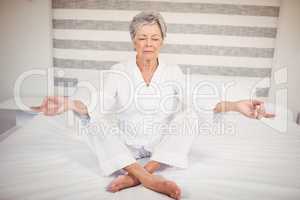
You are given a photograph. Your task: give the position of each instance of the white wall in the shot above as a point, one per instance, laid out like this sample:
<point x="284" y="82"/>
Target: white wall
<point x="25" y="39"/>
<point x="287" y="52"/>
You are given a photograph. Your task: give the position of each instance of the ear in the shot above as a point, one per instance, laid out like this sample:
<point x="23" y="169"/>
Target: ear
<point x="162" y="43"/>
<point x="133" y="44"/>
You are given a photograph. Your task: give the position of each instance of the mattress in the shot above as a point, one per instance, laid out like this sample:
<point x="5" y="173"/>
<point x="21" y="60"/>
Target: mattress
<point x="239" y="158"/>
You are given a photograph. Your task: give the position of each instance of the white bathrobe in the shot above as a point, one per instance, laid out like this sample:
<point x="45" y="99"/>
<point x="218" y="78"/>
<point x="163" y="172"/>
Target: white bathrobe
<point x="138" y="120"/>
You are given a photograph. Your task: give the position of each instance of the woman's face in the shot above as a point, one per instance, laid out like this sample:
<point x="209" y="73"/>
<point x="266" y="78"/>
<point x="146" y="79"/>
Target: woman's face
<point x="148" y="41"/>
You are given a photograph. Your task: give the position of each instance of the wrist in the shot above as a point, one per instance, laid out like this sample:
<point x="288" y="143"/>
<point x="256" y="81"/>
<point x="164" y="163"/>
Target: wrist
<point x="226" y="106"/>
<point x="70" y="105"/>
<point x="235" y="106"/>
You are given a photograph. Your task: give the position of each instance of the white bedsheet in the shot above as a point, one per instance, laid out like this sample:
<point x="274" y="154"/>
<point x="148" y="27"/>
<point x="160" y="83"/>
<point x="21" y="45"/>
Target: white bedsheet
<point x="42" y="160"/>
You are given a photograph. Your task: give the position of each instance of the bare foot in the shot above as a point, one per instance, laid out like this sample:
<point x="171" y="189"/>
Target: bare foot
<point x="122" y="182"/>
<point x="161" y="185"/>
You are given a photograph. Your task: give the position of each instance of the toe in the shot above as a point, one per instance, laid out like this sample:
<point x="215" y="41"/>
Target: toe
<point x="177" y="195"/>
<point x="112" y="188"/>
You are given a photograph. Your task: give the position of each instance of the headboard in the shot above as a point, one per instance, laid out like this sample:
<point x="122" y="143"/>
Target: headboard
<point x="222" y="39"/>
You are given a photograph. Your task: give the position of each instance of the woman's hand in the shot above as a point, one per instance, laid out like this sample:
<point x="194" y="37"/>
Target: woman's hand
<point x="252" y="109"/>
<point x="54" y="105"/>
<point x="249" y="108"/>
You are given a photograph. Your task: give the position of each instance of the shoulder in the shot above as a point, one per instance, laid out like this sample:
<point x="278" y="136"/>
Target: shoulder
<point x="173" y="70"/>
<point x="125" y="66"/>
<point x="120" y="72"/>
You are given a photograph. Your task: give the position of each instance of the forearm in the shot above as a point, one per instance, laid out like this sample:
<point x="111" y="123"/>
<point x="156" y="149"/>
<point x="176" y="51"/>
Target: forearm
<point x="225" y="106"/>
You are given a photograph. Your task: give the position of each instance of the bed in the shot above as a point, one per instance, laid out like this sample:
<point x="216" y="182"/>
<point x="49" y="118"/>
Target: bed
<point x="245" y="159"/>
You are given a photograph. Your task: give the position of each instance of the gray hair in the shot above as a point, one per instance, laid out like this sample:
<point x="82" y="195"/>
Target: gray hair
<point x="147" y="17"/>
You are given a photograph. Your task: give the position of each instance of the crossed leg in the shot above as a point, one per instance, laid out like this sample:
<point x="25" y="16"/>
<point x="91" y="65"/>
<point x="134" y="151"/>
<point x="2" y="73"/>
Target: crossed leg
<point x="143" y="175"/>
<point x="139" y="175"/>
<point x="128" y="180"/>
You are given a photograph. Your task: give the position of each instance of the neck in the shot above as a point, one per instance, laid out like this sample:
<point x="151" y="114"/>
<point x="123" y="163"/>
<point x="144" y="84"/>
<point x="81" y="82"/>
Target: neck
<point x="146" y="65"/>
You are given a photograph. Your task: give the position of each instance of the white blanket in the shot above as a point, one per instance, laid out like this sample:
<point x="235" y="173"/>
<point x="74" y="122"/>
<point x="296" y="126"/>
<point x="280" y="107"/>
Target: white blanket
<point x="43" y="160"/>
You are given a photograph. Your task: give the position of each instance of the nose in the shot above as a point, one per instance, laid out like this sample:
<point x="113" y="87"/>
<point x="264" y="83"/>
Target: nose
<point x="149" y="42"/>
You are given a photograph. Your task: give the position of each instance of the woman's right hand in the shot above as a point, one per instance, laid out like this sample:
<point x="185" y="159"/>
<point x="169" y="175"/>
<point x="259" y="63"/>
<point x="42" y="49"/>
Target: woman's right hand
<point x="53" y="105"/>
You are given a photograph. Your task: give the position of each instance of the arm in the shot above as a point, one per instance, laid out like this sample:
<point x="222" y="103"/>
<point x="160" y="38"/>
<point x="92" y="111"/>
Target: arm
<point x="53" y="105"/>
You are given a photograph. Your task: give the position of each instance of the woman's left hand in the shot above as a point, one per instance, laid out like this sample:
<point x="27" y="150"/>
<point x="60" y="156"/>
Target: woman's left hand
<point x="253" y="109"/>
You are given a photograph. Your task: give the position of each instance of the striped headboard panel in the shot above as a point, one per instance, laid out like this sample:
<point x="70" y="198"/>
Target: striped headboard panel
<point x="215" y="37"/>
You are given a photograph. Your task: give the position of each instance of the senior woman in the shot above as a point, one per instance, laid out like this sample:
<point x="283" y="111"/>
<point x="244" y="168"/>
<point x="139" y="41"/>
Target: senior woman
<point x="148" y="75"/>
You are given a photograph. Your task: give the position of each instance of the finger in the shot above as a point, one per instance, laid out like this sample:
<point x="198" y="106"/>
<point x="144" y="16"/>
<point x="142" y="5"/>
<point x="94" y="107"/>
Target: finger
<point x="255" y="113"/>
<point x="260" y="112"/>
<point x="269" y="115"/>
<point x="262" y="108"/>
<point x="257" y="108"/>
<point x="259" y="115"/>
<point x="36" y="108"/>
<point x="256" y="102"/>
